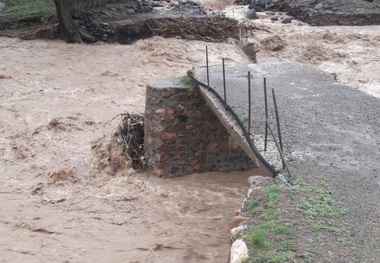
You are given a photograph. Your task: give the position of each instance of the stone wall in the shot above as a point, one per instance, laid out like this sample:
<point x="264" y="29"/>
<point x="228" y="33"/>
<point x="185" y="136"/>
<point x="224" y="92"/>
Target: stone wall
<point x="182" y="135"/>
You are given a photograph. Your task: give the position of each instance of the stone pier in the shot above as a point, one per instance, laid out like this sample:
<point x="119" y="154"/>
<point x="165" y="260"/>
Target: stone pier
<point x="182" y="134"/>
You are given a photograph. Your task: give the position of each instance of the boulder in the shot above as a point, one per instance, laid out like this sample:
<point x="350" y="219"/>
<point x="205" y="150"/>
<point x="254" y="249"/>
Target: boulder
<point x="259" y="5"/>
<point x="259" y="180"/>
<point x="242" y="2"/>
<point x="237" y="220"/>
<point x="249" y="49"/>
<point x="238" y="252"/>
<point x="287" y="20"/>
<point x="251" y="14"/>
<point x="273" y="43"/>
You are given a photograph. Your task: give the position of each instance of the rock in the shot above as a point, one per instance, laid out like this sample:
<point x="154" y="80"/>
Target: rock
<point x="2" y="7"/>
<point x="319" y="6"/>
<point x="286" y="20"/>
<point x="251" y="14"/>
<point x="238" y="252"/>
<point x="259" y="5"/>
<point x="263" y="5"/>
<point x="272" y="43"/>
<point x="251" y="180"/>
<point x="194" y="2"/>
<point x="275" y="18"/>
<point x="259" y="180"/>
<point x="249" y="49"/>
<point x="242" y="2"/>
<point x="237" y="220"/>
<point x="236" y="230"/>
<point x="269" y="13"/>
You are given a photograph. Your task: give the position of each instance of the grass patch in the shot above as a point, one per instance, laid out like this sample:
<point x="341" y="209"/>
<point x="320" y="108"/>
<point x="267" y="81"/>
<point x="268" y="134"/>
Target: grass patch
<point x="187" y="81"/>
<point x="254" y="203"/>
<point x="308" y="255"/>
<point x="288" y="222"/>
<point x="283" y="230"/>
<point x="285" y="244"/>
<point x="27" y="8"/>
<point x="273" y="195"/>
<point x="257" y="237"/>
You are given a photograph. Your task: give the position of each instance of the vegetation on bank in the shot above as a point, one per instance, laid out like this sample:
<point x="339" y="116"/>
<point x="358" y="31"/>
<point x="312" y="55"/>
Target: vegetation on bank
<point x="27" y="8"/>
<point x="301" y="224"/>
<point x="187" y="81"/>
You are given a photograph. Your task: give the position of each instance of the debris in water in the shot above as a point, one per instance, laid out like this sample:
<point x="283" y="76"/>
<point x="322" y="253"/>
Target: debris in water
<point x="131" y="136"/>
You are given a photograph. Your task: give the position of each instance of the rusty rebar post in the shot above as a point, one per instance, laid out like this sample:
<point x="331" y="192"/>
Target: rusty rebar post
<point x="277" y="119"/>
<point x="278" y="123"/>
<point x="207" y="69"/>
<point x="266" y="114"/>
<point x="224" y="84"/>
<point x="285" y="165"/>
<point x="249" y="103"/>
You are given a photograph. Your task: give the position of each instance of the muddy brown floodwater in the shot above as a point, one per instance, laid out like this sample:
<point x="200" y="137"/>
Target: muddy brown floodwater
<point x="125" y="219"/>
<point x="55" y="104"/>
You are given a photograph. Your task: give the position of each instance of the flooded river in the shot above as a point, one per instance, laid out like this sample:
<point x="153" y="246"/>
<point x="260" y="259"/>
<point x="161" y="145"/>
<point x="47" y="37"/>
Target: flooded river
<point x="124" y="219"/>
<point x="56" y="103"/>
<point x="59" y="205"/>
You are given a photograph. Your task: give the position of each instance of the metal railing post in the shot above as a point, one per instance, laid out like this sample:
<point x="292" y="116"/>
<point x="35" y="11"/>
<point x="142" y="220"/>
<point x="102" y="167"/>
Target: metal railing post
<point x="285" y="165"/>
<point x="266" y="114"/>
<point x="208" y="74"/>
<point x="224" y="84"/>
<point x="277" y="119"/>
<point x="249" y="103"/>
<point x="278" y="123"/>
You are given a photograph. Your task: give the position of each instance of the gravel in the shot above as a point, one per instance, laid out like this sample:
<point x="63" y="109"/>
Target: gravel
<point x="330" y="131"/>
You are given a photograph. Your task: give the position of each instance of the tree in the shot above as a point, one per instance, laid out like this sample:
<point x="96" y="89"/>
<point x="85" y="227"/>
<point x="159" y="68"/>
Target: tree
<point x="68" y="29"/>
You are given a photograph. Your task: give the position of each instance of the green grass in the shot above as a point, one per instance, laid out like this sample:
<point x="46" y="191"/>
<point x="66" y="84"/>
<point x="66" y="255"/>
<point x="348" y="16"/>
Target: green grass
<point x="273" y="195"/>
<point x="187" y="81"/>
<point x="261" y="236"/>
<point x="308" y="255"/>
<point x="283" y="230"/>
<point x="27" y="8"/>
<point x="252" y="204"/>
<point x="313" y="211"/>
<point x="285" y="244"/>
<point x="257" y="237"/>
